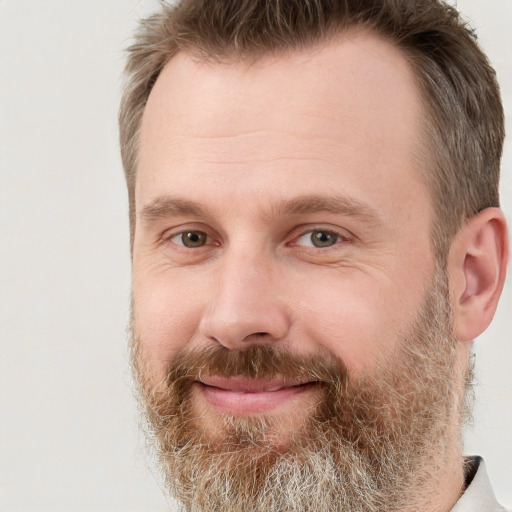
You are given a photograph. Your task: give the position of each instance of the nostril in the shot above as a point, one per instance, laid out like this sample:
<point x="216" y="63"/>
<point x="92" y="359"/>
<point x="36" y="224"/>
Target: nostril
<point x="255" y="336"/>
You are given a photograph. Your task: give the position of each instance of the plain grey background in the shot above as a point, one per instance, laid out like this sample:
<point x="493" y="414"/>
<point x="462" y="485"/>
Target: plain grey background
<point x="69" y="435"/>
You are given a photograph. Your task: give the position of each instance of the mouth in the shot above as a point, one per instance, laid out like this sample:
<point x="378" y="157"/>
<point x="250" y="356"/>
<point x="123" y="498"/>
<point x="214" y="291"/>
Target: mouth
<point x="241" y="396"/>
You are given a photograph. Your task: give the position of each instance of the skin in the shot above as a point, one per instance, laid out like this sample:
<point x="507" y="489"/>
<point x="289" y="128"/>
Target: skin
<point x="231" y="151"/>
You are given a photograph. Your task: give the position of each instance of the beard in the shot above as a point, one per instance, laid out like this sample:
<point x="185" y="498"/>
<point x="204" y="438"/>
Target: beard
<point x="369" y="443"/>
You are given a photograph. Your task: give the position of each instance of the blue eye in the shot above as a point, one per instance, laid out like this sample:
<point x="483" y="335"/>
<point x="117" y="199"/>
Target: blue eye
<point x="190" y="239"/>
<point x="319" y="238"/>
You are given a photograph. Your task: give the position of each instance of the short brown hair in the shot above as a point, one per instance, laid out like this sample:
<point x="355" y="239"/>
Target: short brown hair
<point x="464" y="126"/>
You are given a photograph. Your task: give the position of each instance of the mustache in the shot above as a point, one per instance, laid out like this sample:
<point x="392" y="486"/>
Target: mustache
<point x="338" y="397"/>
<point x="257" y="362"/>
<point x="352" y="410"/>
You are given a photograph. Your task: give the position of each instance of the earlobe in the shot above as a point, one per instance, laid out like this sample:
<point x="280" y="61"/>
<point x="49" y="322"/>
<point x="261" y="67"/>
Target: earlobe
<point x="477" y="266"/>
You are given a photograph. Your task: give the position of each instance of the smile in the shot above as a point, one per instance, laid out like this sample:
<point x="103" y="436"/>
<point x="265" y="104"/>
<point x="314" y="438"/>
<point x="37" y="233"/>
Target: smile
<point x="240" y="396"/>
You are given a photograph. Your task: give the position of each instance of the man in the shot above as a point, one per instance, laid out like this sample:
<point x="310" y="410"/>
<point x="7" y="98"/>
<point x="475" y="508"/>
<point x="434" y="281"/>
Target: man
<point x="316" y="241"/>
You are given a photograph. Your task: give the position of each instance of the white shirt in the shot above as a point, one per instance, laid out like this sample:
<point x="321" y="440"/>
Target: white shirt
<point x="479" y="496"/>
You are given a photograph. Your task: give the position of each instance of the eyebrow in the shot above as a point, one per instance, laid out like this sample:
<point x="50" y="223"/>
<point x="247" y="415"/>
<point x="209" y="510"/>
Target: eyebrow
<point x="335" y="204"/>
<point x="168" y="206"/>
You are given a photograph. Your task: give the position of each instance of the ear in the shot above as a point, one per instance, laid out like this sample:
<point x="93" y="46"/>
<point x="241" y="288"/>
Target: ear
<point x="477" y="267"/>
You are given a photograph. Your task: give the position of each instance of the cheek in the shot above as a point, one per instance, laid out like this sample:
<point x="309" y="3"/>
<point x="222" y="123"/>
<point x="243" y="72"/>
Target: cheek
<point x="356" y="318"/>
<point x="166" y="316"/>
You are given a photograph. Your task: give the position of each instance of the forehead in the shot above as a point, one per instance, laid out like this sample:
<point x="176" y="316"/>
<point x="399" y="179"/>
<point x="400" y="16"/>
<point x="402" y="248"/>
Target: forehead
<point x="350" y="107"/>
<point x="358" y="70"/>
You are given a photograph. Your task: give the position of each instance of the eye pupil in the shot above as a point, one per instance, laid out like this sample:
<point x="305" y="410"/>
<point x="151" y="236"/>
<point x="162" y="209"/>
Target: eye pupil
<point x="193" y="239"/>
<point x="323" y="238"/>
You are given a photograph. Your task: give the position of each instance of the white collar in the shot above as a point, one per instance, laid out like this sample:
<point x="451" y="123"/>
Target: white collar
<point x="479" y="496"/>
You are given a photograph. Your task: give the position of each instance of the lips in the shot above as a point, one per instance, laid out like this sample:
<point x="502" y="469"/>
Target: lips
<point x="237" y="395"/>
<point x="243" y="385"/>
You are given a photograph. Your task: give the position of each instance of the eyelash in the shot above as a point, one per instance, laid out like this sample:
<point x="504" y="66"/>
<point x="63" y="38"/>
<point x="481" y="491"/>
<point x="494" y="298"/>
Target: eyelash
<point x="340" y="237"/>
<point x="168" y="238"/>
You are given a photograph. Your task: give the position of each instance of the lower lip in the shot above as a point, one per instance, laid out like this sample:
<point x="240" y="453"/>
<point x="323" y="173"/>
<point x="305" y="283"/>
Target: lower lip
<point x="240" y="403"/>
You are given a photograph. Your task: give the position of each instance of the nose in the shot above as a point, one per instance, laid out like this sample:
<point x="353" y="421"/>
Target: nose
<point x="246" y="306"/>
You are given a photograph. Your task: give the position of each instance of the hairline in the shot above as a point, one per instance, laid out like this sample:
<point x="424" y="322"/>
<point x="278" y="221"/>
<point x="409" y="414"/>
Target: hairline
<point x="423" y="141"/>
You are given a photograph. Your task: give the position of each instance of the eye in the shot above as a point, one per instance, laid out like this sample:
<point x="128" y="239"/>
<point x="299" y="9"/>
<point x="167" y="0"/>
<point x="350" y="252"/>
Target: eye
<point x="319" y="238"/>
<point x="190" y="239"/>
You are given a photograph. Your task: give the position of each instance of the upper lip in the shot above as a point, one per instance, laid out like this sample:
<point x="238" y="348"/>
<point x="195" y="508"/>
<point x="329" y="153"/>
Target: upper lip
<point x="241" y="384"/>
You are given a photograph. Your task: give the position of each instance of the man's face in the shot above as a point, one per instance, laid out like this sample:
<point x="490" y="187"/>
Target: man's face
<point x="280" y="211"/>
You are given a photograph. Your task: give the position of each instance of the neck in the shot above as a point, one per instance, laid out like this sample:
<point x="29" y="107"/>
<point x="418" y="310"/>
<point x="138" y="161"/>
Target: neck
<point x="445" y="485"/>
<point x="445" y="482"/>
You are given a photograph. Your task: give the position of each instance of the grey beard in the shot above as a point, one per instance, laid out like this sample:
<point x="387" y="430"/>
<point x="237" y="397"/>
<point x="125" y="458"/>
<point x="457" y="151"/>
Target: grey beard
<point x="372" y="443"/>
